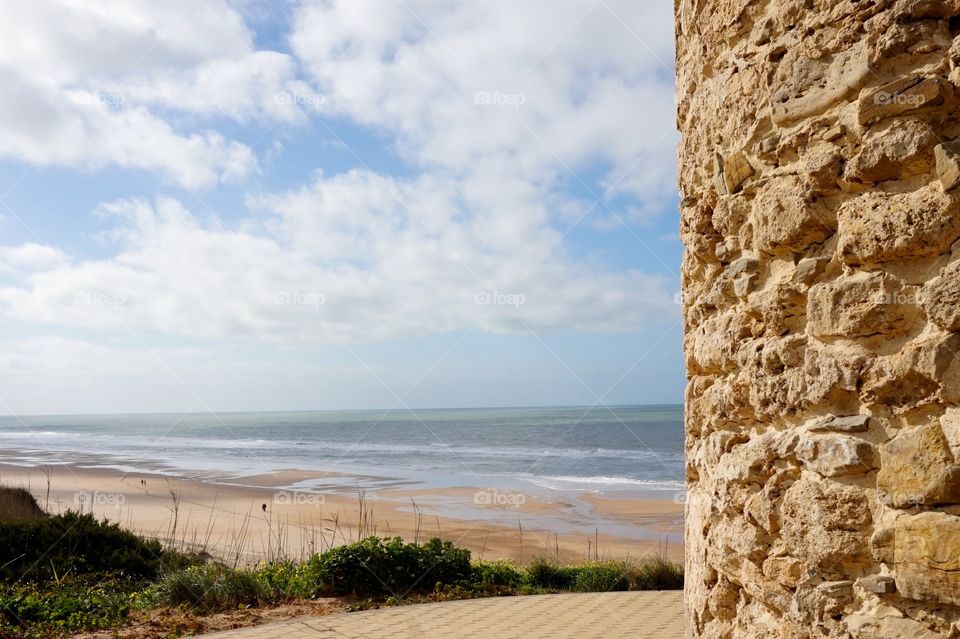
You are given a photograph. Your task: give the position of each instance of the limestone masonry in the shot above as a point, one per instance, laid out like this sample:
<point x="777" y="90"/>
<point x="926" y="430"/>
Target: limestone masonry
<point x="820" y="186"/>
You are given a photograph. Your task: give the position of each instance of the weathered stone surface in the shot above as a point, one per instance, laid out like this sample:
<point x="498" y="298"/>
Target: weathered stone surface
<point x="941" y="298"/>
<point x="901" y="96"/>
<point x="787" y="571"/>
<point x="809" y="268"/>
<point x="807" y="86"/>
<point x="828" y="599"/>
<point x="834" y="133"/>
<point x="742" y="265"/>
<point x="924" y="550"/>
<point x="736" y="169"/>
<point x="824" y="524"/>
<point x="878" y="228"/>
<point x="858" y="305"/>
<point x="822" y="316"/>
<point x="918" y="468"/>
<point x="878" y="584"/>
<point x="823" y="167"/>
<point x="783" y="218"/>
<point x="871" y="627"/>
<point x="713" y="345"/>
<point x="948" y="164"/>
<point x="923" y="372"/>
<point x="926" y="9"/>
<point x="898" y="150"/>
<point x="744" y="284"/>
<point x="836" y="455"/>
<point x="845" y="424"/>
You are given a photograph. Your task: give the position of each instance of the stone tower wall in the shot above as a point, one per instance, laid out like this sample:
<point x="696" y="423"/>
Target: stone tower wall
<point x="821" y="217"/>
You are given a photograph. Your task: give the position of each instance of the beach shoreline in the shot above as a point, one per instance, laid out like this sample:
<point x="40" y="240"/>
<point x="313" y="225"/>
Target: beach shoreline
<point x="293" y="513"/>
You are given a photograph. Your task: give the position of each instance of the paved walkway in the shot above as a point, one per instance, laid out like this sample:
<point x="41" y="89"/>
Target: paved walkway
<point x="613" y="615"/>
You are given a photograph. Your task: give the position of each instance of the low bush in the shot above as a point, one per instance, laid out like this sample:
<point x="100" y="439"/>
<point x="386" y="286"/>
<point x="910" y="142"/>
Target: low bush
<point x="656" y="574"/>
<point x="27" y="611"/>
<point x="18" y="503"/>
<point x="546" y="575"/>
<point x="47" y="549"/>
<point x="211" y="588"/>
<point x="496" y="576"/>
<point x="389" y="567"/>
<point x="604" y="576"/>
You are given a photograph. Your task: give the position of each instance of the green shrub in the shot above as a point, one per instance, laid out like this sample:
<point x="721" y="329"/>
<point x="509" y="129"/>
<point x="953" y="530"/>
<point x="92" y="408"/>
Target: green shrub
<point x="47" y="549"/>
<point x="212" y="588"/>
<point x="28" y="611"/>
<point x="309" y="579"/>
<point x="650" y="574"/>
<point x="601" y="577"/>
<point x="18" y="503"/>
<point x="496" y="576"/>
<point x="385" y="567"/>
<point x="656" y="574"/>
<point x="544" y="574"/>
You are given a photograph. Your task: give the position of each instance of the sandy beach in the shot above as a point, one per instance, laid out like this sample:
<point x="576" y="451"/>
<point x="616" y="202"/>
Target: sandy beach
<point x="247" y="519"/>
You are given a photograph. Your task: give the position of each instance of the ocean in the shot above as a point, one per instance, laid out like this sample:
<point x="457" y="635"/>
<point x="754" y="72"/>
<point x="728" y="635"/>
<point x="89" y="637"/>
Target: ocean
<point x="566" y="449"/>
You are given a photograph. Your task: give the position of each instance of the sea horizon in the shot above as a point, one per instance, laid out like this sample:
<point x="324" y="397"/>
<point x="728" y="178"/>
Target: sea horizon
<point x="561" y="448"/>
<point x="340" y="410"/>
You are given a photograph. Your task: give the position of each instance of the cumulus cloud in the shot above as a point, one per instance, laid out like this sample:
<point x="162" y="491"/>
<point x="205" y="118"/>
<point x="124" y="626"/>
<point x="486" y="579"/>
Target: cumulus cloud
<point x="516" y="121"/>
<point x="355" y="257"/>
<point x="85" y="84"/>
<point x="543" y="89"/>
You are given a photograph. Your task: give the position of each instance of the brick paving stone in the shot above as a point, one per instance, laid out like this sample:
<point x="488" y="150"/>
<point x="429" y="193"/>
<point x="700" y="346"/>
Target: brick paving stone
<point x="608" y="615"/>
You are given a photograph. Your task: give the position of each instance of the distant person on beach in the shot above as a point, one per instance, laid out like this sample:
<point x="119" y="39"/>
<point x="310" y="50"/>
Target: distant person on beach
<point x="264" y="506"/>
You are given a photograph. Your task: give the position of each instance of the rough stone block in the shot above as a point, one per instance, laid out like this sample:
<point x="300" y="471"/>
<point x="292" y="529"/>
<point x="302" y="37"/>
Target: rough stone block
<point x="902" y="149"/>
<point x="948" y="164"/>
<point x="878" y="584"/>
<point x="808" y="86"/>
<point x="835" y="133"/>
<point x="901" y="96"/>
<point x="872" y="627"/>
<point x="878" y="227"/>
<point x="742" y="265"/>
<point x="924" y="551"/>
<point x="836" y="455"/>
<point x="858" y="305"/>
<point x="918" y="468"/>
<point x="808" y="268"/>
<point x="941" y="298"/>
<point x="736" y="170"/>
<point x="783" y="218"/>
<point x="824" y="523"/>
<point x="845" y="424"/>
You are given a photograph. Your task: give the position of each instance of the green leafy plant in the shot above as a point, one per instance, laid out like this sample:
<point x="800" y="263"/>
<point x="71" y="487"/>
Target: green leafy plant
<point x="385" y="567"/>
<point x="212" y="588"/>
<point x="496" y="577"/>
<point x="605" y="576"/>
<point x="53" y="547"/>
<point x="69" y="606"/>
<point x="544" y="574"/>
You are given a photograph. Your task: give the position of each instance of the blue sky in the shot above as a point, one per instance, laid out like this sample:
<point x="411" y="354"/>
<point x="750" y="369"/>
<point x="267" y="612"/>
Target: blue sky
<point x="211" y="205"/>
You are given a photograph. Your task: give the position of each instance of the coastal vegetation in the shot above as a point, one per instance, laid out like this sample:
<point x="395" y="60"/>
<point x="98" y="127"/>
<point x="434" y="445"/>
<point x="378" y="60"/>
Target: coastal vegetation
<point x="67" y="573"/>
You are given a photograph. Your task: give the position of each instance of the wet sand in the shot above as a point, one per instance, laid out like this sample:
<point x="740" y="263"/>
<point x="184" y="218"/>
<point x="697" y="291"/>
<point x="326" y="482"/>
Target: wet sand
<point x="225" y="515"/>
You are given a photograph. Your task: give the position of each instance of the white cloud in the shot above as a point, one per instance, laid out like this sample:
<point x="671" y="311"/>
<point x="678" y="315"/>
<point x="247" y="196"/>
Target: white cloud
<point x="541" y="89"/>
<point x="85" y="84"/>
<point x="45" y="125"/>
<point x="500" y="105"/>
<point x="355" y="258"/>
<point x="29" y="257"/>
